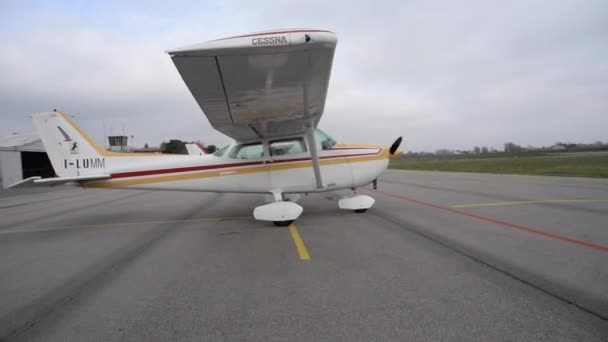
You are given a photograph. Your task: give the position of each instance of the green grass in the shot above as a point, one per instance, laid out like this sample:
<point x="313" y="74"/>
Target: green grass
<point x="549" y="165"/>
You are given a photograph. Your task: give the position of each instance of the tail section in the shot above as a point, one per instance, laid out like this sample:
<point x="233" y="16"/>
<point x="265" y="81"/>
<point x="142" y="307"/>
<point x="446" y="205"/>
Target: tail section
<point x="71" y="151"/>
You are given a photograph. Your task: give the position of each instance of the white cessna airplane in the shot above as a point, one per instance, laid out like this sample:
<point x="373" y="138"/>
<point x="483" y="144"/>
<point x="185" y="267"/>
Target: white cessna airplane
<point x="266" y="91"/>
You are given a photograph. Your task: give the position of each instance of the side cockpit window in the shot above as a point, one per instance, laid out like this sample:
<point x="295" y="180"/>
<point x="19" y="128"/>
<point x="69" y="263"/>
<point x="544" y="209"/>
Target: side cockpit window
<point x="286" y="147"/>
<point x="248" y="151"/>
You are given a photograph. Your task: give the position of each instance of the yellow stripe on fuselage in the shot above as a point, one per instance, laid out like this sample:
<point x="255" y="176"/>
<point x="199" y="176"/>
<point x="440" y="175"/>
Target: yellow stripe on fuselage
<point x="384" y="154"/>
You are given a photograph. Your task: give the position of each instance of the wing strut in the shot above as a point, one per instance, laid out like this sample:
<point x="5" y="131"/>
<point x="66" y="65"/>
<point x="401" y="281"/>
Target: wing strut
<point x="312" y="145"/>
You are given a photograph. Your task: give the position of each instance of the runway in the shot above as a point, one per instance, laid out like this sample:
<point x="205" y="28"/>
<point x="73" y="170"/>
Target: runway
<point x="441" y="256"/>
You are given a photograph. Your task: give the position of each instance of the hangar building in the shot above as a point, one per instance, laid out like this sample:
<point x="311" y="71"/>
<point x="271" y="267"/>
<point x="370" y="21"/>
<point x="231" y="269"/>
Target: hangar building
<point x="22" y="156"/>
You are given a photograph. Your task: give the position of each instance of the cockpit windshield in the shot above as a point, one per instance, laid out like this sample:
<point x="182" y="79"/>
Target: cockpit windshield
<point x="221" y="151"/>
<point x="324" y="141"/>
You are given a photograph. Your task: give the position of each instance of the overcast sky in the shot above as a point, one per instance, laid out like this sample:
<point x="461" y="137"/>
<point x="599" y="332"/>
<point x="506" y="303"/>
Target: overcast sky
<point x="450" y="74"/>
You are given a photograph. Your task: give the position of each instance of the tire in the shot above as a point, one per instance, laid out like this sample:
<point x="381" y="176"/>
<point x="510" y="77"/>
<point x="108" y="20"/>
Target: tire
<point x="283" y="223"/>
<point x="360" y="211"/>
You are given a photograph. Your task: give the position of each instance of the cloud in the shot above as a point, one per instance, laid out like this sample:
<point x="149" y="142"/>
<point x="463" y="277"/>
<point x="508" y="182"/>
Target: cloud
<point x="449" y="74"/>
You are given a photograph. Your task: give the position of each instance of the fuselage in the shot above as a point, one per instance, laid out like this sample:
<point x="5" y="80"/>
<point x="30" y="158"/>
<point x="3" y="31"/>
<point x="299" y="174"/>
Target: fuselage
<point x="281" y="164"/>
<point x="250" y="167"/>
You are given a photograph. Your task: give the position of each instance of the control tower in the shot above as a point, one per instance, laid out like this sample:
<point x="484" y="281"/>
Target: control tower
<point x="118" y="143"/>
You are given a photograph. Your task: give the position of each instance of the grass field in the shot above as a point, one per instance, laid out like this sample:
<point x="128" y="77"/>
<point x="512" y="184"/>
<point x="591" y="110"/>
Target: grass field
<point x="574" y="165"/>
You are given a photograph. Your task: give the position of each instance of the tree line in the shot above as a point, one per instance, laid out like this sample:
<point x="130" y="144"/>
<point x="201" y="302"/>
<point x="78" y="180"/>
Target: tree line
<point x="176" y="146"/>
<point x="510" y="147"/>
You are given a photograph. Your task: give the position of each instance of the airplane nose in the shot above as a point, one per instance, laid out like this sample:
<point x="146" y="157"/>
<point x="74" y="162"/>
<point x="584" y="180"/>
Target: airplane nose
<point x="395" y="145"/>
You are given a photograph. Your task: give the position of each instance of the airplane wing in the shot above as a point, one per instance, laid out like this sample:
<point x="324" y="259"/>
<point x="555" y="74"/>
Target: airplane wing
<point x="260" y="85"/>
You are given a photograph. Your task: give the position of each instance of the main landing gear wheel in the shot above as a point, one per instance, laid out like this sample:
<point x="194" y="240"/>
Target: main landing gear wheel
<point x="360" y="211"/>
<point x="283" y="223"/>
<point x="281" y="213"/>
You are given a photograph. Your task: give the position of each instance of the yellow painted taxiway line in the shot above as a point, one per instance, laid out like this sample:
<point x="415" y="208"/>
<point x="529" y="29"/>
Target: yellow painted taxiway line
<point x="297" y="240"/>
<point x="117" y="224"/>
<point x="497" y="204"/>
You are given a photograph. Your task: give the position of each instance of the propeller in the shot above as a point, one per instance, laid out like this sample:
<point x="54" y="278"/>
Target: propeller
<point x="395" y="145"/>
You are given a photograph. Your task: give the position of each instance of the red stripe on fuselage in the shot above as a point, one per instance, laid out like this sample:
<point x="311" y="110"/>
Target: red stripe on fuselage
<point x="273" y="33"/>
<point x="223" y="166"/>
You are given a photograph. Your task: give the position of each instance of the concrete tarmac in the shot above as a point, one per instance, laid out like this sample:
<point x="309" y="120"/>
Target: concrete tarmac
<point x="441" y="256"/>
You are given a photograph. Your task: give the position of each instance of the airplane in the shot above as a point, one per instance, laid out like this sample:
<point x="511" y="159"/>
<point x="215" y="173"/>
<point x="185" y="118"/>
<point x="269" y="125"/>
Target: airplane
<point x="265" y="90"/>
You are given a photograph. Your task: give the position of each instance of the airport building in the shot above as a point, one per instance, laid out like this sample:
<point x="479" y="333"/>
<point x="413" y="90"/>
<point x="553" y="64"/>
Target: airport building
<point x="118" y="143"/>
<point x="22" y="156"/>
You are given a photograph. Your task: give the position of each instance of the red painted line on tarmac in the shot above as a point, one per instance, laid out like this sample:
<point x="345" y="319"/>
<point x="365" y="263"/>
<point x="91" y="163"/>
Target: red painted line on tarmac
<point x="530" y="230"/>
